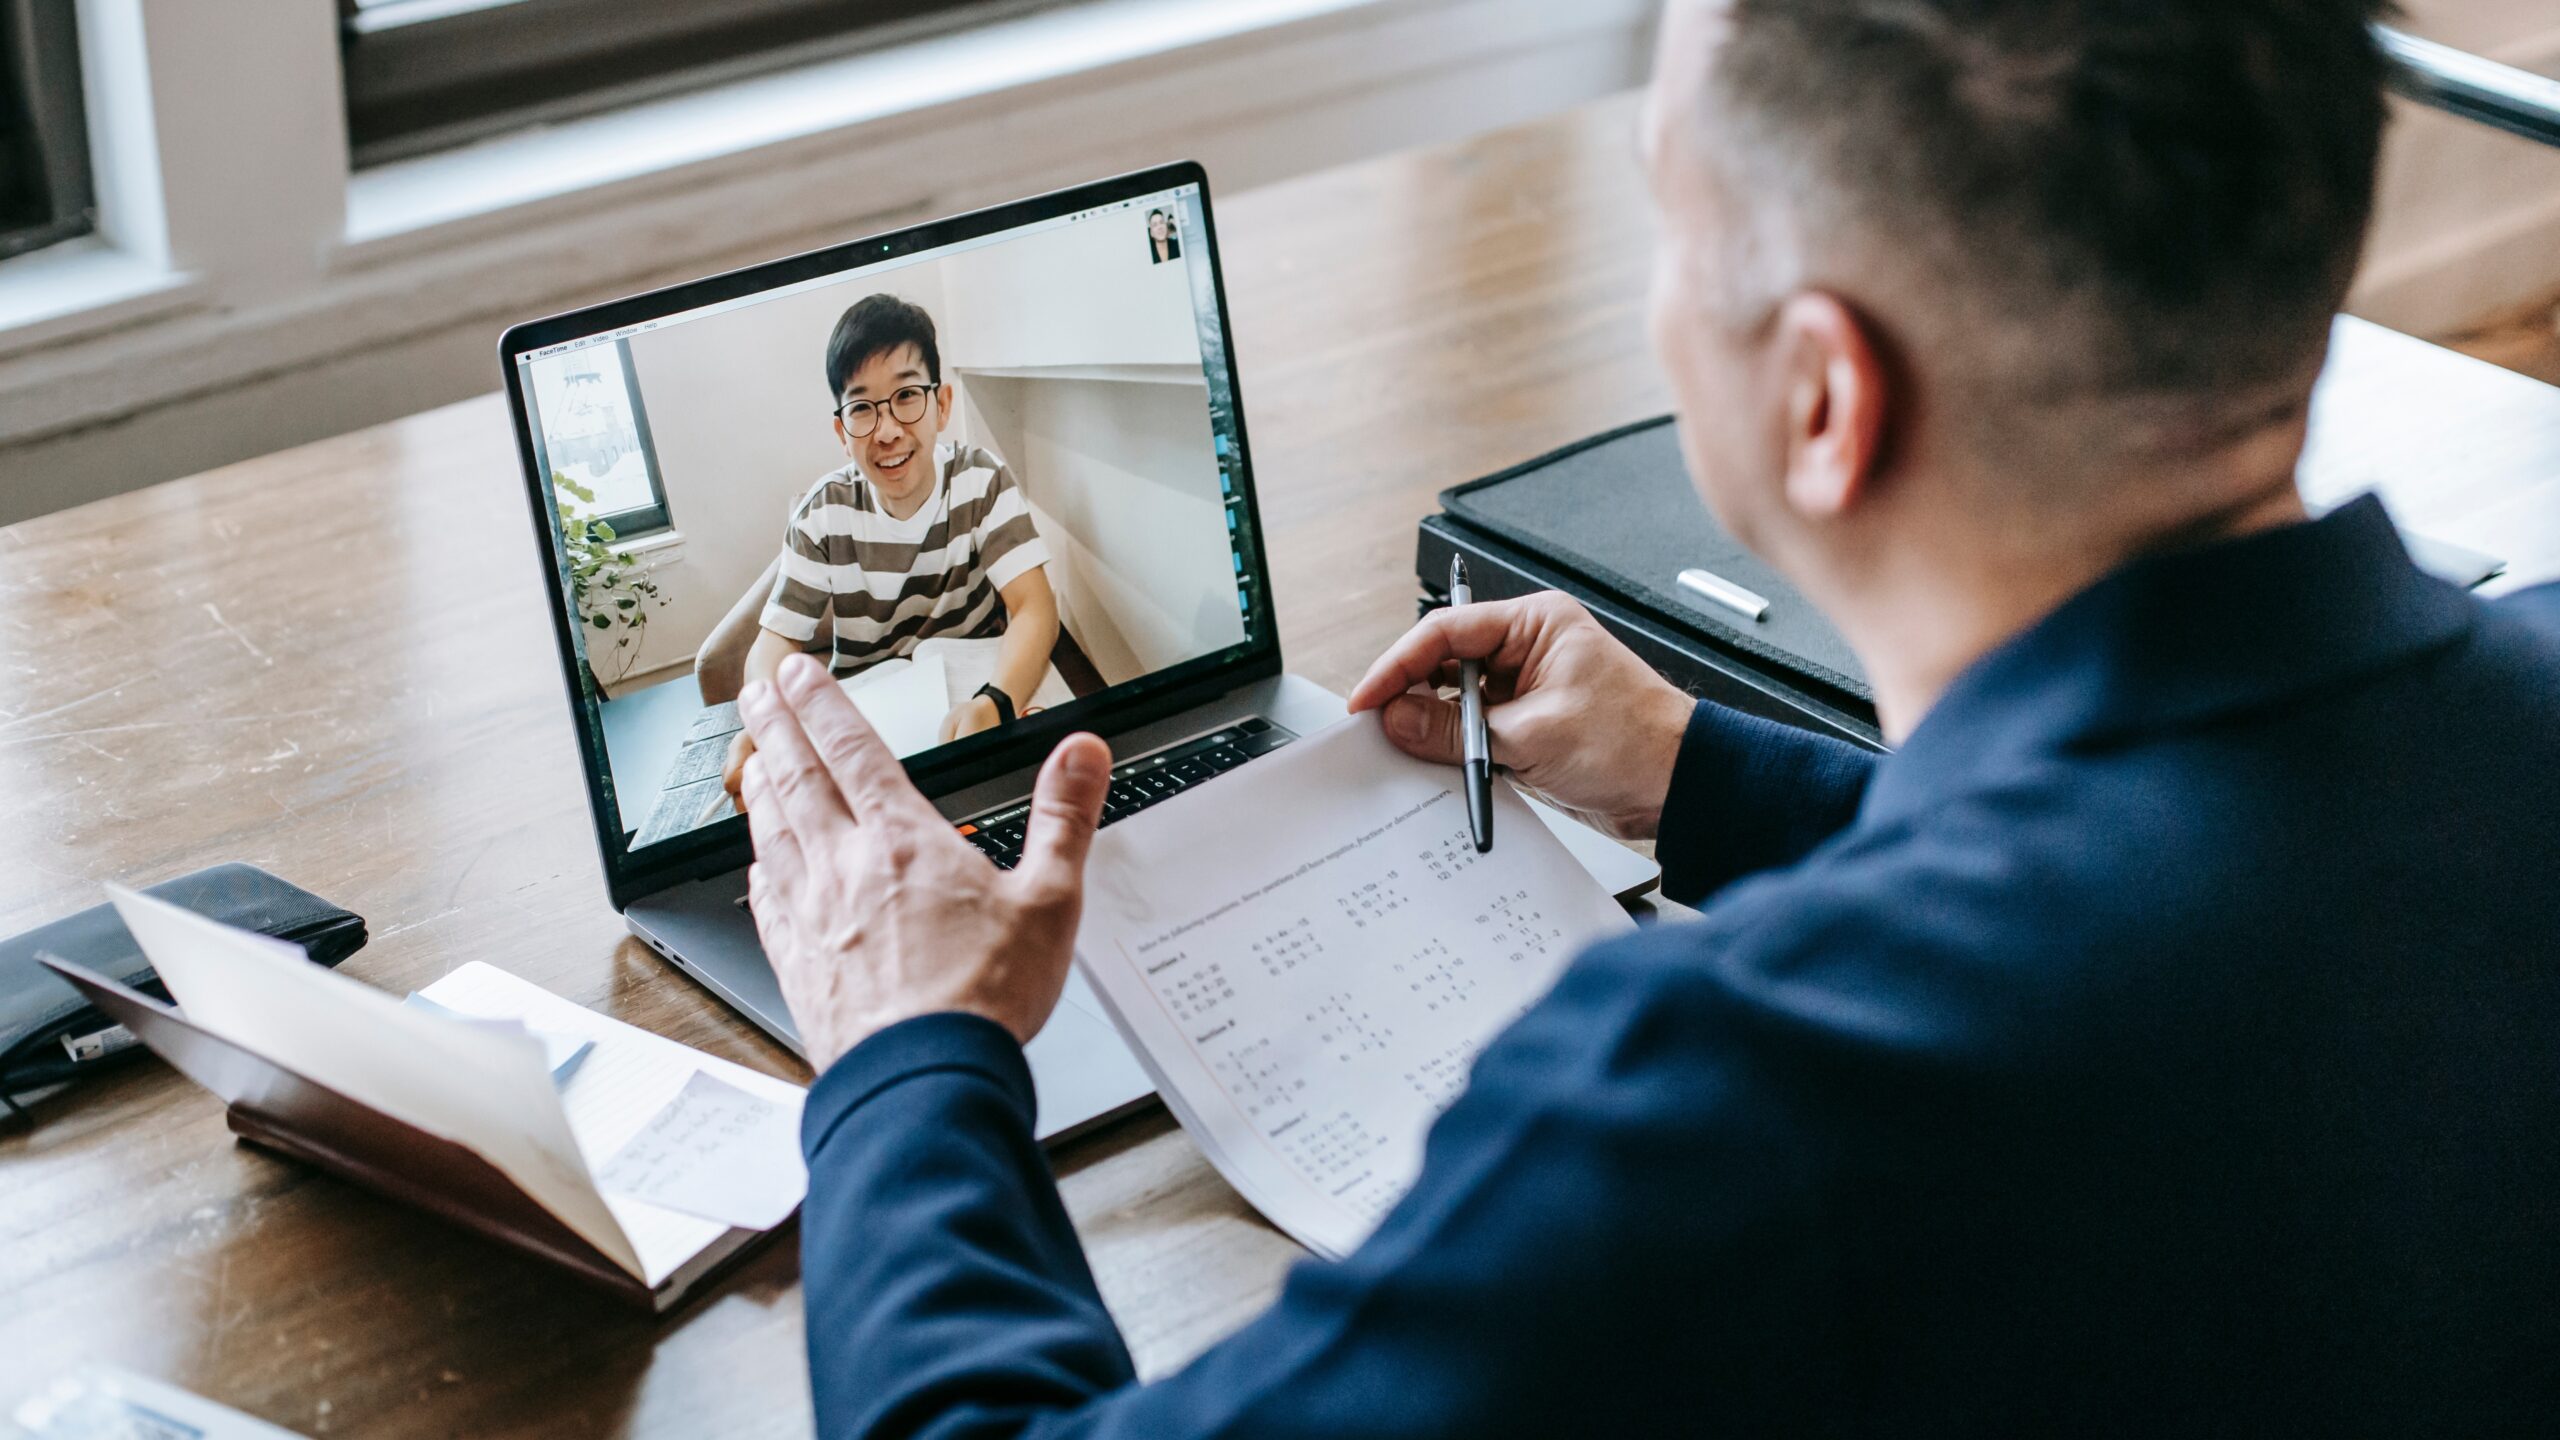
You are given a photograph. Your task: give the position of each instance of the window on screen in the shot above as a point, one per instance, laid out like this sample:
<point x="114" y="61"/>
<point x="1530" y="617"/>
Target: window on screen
<point x="595" y="434"/>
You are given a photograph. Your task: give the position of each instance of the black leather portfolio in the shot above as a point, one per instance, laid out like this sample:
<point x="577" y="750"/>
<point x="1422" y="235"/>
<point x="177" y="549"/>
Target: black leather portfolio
<point x="44" y="1021"/>
<point x="1613" y="521"/>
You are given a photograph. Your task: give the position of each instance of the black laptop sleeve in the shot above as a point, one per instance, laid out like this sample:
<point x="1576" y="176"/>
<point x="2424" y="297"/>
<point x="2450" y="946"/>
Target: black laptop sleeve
<point x="1617" y="512"/>
<point x="1612" y="521"/>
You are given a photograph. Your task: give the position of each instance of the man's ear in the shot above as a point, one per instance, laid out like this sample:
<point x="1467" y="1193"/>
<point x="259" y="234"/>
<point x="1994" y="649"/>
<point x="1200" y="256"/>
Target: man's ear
<point x="942" y="405"/>
<point x="1837" y="401"/>
<point x="844" y="437"/>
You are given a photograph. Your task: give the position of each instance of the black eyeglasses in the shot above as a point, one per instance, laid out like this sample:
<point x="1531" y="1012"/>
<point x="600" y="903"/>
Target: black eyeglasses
<point x="906" y="405"/>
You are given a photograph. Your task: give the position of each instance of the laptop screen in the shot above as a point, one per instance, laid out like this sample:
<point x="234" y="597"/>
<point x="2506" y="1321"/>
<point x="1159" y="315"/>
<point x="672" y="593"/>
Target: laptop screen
<point x="989" y="480"/>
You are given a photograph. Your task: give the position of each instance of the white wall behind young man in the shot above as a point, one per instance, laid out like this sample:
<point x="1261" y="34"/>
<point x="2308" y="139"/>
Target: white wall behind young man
<point x="1123" y="479"/>
<point x="1084" y="294"/>
<point x="1080" y="358"/>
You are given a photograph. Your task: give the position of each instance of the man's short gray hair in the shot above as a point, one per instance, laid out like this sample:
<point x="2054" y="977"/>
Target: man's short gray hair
<point x="2103" y="196"/>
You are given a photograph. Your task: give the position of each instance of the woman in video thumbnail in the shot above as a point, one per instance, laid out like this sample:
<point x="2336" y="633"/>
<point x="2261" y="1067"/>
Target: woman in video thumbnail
<point x="1162" y="243"/>
<point x="913" y="539"/>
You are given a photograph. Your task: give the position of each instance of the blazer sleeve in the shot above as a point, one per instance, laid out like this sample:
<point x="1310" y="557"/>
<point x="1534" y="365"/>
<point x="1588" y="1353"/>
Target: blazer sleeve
<point x="946" y="1292"/>
<point x="1749" y="795"/>
<point x="947" y="1297"/>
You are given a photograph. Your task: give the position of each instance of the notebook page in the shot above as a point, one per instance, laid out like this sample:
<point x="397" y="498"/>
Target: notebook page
<point x="483" y="1089"/>
<point x="1308" y="953"/>
<point x="968" y="665"/>
<point x="904" y="700"/>
<point x="625" y="1081"/>
<point x="716" y="1152"/>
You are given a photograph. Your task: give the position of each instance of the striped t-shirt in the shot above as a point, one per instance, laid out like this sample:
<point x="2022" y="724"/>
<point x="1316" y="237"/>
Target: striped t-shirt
<point x="888" y="585"/>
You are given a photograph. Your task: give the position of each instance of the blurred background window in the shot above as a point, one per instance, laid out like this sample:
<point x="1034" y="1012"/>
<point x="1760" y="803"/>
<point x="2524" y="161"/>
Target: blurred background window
<point x="594" y="430"/>
<point x="2463" y="248"/>
<point x="44" y="140"/>
<point x="428" y="74"/>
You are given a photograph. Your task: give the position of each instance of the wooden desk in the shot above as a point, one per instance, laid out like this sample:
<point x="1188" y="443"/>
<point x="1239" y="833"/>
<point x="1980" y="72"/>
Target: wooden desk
<point x="335" y="662"/>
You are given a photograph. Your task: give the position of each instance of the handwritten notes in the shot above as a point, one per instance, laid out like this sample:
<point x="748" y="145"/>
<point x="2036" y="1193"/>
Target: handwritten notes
<point x="625" y="1081"/>
<point x="715" y="1152"/>
<point x="1308" y="955"/>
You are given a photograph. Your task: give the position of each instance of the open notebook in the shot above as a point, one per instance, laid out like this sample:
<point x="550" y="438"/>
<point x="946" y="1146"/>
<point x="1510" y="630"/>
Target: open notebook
<point x="905" y="699"/>
<point x="1308" y="953"/>
<point x="645" y="1167"/>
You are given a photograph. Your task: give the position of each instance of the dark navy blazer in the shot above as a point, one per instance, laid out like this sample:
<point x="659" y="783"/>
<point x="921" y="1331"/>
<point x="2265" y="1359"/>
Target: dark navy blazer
<point x="2165" y="1040"/>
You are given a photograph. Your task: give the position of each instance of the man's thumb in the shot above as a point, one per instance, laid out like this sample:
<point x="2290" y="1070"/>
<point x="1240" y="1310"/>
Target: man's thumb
<point x="1424" y="726"/>
<point x="1065" y="806"/>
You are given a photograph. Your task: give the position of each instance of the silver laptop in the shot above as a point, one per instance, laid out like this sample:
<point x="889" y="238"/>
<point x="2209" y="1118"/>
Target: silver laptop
<point x="993" y="470"/>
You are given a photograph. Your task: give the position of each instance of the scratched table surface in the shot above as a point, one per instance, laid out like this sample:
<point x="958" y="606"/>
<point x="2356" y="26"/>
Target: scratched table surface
<point x="335" y="662"/>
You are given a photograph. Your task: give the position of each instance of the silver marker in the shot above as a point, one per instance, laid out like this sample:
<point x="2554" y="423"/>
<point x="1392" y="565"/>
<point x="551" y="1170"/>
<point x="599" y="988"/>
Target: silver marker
<point x="1748" y="604"/>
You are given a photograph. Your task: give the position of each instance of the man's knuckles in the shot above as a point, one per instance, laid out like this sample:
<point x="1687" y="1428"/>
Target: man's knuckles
<point x="1427" y="727"/>
<point x="794" y="781"/>
<point x="842" y="746"/>
<point x="1559" y="607"/>
<point x="844" y="937"/>
<point x="896" y="847"/>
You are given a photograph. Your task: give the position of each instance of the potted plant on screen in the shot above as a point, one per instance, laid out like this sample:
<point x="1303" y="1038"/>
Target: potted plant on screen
<point x="615" y="595"/>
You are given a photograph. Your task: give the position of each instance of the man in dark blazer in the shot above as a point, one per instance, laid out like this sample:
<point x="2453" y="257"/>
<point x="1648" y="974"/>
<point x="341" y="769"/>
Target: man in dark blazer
<point x="2165" y="1039"/>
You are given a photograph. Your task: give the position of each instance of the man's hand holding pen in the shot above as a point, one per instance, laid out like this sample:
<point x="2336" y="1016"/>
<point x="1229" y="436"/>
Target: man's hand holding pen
<point x="1574" y="716"/>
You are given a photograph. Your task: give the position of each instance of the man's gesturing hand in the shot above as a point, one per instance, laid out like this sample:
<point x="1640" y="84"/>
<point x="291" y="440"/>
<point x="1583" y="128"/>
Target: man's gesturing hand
<point x="1574" y="714"/>
<point x="872" y="908"/>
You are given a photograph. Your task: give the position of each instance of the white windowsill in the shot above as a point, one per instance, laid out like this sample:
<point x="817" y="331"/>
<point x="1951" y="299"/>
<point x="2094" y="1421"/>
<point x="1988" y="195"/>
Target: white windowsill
<point x="656" y="548"/>
<point x="81" y="287"/>
<point x="407" y="200"/>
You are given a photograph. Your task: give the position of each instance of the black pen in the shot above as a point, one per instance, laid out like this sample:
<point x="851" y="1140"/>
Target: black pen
<point x="1478" y="742"/>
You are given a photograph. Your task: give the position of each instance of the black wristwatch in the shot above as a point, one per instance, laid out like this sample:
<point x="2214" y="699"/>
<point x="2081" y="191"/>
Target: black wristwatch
<point x="1004" y="703"/>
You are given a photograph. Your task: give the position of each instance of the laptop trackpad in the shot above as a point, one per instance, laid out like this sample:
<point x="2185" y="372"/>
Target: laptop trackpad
<point x="1621" y="871"/>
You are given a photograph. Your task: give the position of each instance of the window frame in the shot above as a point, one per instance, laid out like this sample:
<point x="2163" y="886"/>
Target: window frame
<point x="40" y="71"/>
<point x="424" y="75"/>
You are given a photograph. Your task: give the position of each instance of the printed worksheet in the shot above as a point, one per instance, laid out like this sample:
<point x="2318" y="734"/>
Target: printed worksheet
<point x="1309" y="953"/>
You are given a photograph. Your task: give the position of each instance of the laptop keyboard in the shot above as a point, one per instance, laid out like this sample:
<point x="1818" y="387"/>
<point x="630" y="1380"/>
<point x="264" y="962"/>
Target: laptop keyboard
<point x="1135" y="784"/>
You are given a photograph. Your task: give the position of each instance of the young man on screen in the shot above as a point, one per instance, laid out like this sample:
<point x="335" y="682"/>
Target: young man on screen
<point x="911" y="541"/>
